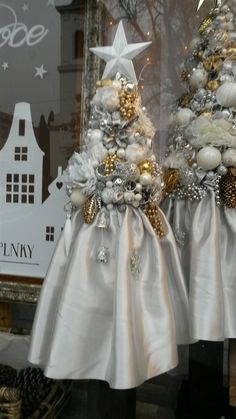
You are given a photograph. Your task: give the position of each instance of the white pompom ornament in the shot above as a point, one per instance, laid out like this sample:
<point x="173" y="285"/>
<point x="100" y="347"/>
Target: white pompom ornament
<point x="226" y="95"/>
<point x="183" y="116"/>
<point x="198" y="78"/>
<point x="136" y="153"/>
<point x="77" y="198"/>
<point x="96" y="135"/>
<point x="229" y="157"/>
<point x="208" y="158"/>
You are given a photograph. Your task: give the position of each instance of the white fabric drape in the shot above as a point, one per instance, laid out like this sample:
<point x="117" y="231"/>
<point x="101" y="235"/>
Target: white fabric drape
<point x="100" y="321"/>
<point x="208" y="260"/>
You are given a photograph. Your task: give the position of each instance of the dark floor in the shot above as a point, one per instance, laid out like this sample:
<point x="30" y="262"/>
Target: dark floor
<point x="146" y="406"/>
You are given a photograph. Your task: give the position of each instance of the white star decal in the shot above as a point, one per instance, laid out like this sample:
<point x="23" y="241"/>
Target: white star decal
<point x="5" y="65"/>
<point x="51" y="3"/>
<point x="40" y="72"/>
<point x="25" y="7"/>
<point x="119" y="55"/>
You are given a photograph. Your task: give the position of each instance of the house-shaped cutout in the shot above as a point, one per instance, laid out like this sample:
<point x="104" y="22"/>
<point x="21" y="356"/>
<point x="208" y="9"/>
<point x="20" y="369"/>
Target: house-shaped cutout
<point x="29" y="228"/>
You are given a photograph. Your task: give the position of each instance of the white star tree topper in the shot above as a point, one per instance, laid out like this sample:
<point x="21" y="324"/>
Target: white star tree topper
<point x="218" y="3"/>
<point x="119" y="55"/>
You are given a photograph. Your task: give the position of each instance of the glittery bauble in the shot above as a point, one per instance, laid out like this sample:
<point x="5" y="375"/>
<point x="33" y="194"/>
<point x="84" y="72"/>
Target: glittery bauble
<point x="145" y="166"/>
<point x="152" y="213"/>
<point x="91" y="208"/>
<point x="228" y="188"/>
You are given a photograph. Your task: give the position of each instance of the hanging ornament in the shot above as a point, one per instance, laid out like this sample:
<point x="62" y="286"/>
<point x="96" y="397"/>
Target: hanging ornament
<point x="171" y="179"/>
<point x="152" y="213"/>
<point x="91" y="208"/>
<point x="228" y="188"/>
<point x="103" y="255"/>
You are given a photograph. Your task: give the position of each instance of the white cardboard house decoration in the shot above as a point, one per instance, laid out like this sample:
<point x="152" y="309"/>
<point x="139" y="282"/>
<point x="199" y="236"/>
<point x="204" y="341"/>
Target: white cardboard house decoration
<point x="29" y="228"/>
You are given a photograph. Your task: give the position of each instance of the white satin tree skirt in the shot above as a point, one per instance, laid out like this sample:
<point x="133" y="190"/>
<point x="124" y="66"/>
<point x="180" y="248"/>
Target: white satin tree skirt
<point x="99" y="321"/>
<point x="208" y="257"/>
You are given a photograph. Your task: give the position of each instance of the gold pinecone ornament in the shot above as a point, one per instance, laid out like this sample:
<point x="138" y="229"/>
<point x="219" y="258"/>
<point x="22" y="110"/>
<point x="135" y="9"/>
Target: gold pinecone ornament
<point x="228" y="188"/>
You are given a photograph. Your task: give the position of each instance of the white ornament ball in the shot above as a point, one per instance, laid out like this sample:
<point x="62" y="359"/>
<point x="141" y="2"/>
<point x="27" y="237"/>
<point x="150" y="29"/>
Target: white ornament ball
<point x="229" y="157"/>
<point x="121" y="153"/>
<point x="145" y="179"/>
<point x="208" y="158"/>
<point x="128" y="197"/>
<point x="227" y="65"/>
<point x="138" y="187"/>
<point x="183" y="116"/>
<point x="198" y="78"/>
<point x="77" y="198"/>
<point x="138" y="197"/>
<point x="194" y="43"/>
<point x="226" y="94"/>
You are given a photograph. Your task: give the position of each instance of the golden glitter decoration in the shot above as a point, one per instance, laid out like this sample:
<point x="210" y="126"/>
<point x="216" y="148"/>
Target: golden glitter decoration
<point x="128" y="103"/>
<point x="152" y="213"/>
<point x="231" y="51"/>
<point x="171" y="179"/>
<point x="184" y="75"/>
<point x="91" y="207"/>
<point x="185" y="100"/>
<point x="228" y="188"/>
<point x="109" y="164"/>
<point x="208" y="114"/>
<point x="213" y="63"/>
<point x="146" y="166"/>
<point x="213" y="85"/>
<point x="204" y="25"/>
<point x="104" y="83"/>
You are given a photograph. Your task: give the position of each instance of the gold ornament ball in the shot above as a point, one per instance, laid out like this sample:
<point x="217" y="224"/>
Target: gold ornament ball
<point x="145" y="166"/>
<point x="213" y="85"/>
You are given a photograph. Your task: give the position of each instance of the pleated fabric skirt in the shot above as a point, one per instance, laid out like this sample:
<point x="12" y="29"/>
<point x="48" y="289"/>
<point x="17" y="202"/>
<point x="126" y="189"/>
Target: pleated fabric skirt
<point x="206" y="235"/>
<point x="119" y="320"/>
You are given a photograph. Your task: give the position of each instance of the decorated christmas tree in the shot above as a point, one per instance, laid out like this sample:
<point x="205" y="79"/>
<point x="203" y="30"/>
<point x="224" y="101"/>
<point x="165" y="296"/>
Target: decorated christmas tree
<point x="114" y="297"/>
<point x="200" y="174"/>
